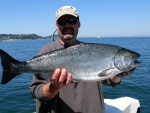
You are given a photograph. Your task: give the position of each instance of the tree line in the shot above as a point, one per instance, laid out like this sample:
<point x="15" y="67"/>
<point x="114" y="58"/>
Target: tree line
<point x="4" y="37"/>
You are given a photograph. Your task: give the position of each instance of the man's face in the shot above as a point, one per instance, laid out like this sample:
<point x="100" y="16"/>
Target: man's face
<point x="67" y="27"/>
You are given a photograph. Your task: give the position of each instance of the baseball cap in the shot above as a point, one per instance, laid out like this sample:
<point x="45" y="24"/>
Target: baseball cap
<point x="66" y="10"/>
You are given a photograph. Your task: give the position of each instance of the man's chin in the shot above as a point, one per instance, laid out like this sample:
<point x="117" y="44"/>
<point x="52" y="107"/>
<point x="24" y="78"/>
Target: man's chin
<point x="68" y="37"/>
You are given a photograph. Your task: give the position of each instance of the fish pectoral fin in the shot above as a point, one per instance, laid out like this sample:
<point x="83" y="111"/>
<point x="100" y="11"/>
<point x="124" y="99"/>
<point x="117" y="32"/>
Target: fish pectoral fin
<point x="106" y="72"/>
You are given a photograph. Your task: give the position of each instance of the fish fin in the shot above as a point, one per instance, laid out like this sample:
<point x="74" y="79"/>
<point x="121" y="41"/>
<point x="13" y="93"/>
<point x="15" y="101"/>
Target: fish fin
<point x="107" y="72"/>
<point x="7" y="76"/>
<point x="103" y="73"/>
<point x="6" y="60"/>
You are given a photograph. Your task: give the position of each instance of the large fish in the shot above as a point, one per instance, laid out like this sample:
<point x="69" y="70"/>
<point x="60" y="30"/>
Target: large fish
<point x="86" y="62"/>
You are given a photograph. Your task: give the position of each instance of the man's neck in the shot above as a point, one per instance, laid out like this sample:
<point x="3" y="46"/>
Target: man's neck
<point x="69" y="43"/>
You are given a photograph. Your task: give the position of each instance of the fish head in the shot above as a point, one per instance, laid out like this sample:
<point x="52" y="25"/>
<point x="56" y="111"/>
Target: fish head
<point x="126" y="60"/>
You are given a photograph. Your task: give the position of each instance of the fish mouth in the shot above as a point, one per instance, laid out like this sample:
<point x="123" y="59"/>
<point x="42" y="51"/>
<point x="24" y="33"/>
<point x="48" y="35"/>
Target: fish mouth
<point x="135" y="61"/>
<point x="133" y="65"/>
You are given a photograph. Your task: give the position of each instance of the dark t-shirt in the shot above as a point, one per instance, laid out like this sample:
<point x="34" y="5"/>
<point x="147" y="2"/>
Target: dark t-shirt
<point x="83" y="97"/>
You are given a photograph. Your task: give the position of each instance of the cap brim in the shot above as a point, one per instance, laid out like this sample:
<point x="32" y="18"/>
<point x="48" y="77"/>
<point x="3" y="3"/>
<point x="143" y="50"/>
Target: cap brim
<point x="66" y="14"/>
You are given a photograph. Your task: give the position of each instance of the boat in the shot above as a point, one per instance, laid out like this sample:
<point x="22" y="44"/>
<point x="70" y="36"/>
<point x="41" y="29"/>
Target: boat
<point x="122" y="105"/>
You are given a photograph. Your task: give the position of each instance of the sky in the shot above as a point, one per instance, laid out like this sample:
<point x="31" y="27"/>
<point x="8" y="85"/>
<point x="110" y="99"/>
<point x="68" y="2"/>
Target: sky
<point x="104" y="18"/>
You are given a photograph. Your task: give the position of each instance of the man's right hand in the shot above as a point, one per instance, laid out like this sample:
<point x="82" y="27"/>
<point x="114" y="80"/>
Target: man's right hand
<point x="60" y="78"/>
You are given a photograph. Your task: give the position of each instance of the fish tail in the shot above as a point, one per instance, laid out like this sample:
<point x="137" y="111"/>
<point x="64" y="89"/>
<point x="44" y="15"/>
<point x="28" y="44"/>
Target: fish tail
<point x="7" y="73"/>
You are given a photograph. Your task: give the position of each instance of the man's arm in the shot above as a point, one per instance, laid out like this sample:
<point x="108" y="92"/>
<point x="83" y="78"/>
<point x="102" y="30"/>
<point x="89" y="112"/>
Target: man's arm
<point x="60" y="78"/>
<point x="43" y="90"/>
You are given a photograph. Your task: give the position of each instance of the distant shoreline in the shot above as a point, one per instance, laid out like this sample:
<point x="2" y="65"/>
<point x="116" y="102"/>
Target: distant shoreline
<point x="13" y="37"/>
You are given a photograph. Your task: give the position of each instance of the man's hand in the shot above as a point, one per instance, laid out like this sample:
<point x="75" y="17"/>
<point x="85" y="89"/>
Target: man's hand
<point x="117" y="78"/>
<point x="126" y="74"/>
<point x="60" y="78"/>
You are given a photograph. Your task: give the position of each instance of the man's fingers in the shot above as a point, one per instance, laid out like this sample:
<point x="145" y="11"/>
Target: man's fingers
<point x="63" y="76"/>
<point x="56" y="76"/>
<point x="69" y="79"/>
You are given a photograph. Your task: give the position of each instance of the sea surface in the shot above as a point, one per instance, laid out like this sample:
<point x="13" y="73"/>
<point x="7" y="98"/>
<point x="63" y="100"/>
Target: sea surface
<point x="15" y="96"/>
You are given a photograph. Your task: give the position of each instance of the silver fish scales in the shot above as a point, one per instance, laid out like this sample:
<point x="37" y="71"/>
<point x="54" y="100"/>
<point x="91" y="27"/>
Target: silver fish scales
<point x="86" y="62"/>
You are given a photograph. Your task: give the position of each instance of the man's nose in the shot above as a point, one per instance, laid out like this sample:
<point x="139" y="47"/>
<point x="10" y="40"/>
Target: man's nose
<point x="67" y="24"/>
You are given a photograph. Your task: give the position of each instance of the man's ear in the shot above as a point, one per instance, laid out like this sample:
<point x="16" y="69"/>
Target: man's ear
<point x="56" y="26"/>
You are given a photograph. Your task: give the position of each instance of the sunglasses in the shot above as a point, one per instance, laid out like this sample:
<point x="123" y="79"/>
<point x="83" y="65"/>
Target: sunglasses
<point x="71" y="21"/>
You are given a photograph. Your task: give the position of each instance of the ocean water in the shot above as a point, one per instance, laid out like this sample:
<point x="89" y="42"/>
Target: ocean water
<point x="15" y="97"/>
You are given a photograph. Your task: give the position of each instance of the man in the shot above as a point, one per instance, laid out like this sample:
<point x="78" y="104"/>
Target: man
<point x="58" y="94"/>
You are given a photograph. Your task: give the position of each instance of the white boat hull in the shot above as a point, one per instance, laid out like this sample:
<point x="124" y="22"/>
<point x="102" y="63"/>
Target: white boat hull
<point x="122" y="105"/>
